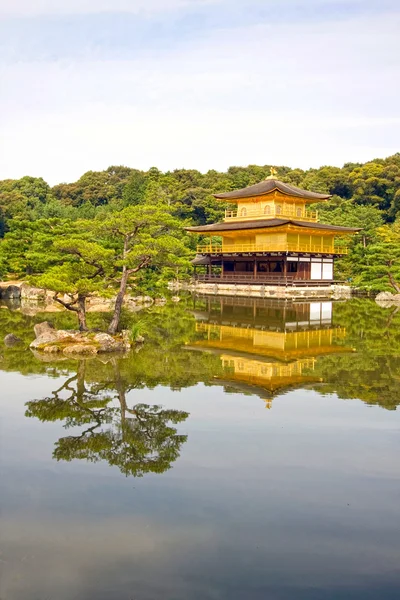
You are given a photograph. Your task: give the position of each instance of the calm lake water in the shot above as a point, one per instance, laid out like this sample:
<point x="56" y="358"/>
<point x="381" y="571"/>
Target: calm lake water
<point x="249" y="450"/>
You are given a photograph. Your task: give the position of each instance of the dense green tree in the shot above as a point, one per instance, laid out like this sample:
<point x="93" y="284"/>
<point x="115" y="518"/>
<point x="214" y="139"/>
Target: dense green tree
<point x="76" y="264"/>
<point x="142" y="236"/>
<point x="94" y="187"/>
<point x="135" y="187"/>
<point x="74" y="282"/>
<point x="382" y="266"/>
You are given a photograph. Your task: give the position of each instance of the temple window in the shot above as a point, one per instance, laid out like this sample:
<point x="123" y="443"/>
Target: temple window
<point x="267" y="210"/>
<point x="298" y="212"/>
<point x="278" y="209"/>
<point x="243" y="212"/>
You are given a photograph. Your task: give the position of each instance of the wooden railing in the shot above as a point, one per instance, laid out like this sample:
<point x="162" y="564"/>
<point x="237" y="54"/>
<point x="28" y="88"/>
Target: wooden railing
<point x="262" y="279"/>
<point x="272" y="247"/>
<point x="286" y="213"/>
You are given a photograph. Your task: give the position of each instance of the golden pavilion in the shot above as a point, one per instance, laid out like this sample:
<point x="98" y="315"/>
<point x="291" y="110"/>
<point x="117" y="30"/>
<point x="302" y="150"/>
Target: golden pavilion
<point x="272" y="237"/>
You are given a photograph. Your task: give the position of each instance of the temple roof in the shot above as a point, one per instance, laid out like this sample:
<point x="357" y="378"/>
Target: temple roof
<point x="200" y="260"/>
<point x="262" y="224"/>
<point x="269" y="185"/>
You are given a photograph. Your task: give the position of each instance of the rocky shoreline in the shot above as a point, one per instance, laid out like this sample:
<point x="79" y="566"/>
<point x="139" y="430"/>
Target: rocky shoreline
<point x="69" y="342"/>
<point x="32" y="300"/>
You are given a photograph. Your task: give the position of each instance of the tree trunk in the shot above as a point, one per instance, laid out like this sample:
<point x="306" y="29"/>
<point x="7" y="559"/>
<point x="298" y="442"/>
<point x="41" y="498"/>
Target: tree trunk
<point x="81" y="312"/>
<point x="112" y="330"/>
<point x="79" y="309"/>
<point x="394" y="283"/>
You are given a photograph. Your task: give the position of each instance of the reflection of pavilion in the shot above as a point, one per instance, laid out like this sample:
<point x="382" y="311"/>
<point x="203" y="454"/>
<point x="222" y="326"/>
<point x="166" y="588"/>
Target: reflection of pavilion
<point x="265" y="347"/>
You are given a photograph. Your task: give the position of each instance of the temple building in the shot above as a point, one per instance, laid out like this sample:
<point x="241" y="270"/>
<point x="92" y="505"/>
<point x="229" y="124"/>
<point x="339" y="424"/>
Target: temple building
<point x="266" y="348"/>
<point x="270" y="238"/>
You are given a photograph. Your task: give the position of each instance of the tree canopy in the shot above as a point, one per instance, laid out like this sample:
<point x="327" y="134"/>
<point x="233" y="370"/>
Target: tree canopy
<point x="364" y="195"/>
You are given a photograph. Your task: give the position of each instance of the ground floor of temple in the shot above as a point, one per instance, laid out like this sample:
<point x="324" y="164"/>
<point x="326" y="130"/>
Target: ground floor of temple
<point x="268" y="269"/>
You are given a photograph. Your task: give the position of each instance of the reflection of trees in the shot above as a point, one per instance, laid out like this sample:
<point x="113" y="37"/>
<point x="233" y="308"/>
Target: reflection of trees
<point x="372" y="374"/>
<point x="138" y="439"/>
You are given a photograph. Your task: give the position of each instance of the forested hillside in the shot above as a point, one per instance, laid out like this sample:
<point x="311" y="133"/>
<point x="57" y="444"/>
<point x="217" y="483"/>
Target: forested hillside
<point x="363" y="195"/>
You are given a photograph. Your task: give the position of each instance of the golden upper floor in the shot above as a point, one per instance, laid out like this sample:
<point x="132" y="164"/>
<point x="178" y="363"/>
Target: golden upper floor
<point x="272" y="216"/>
<point x="271" y="199"/>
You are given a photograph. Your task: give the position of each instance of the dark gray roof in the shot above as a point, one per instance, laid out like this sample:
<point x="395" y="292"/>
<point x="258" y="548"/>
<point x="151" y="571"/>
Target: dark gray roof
<point x="262" y="223"/>
<point x="200" y="260"/>
<point x="269" y="185"/>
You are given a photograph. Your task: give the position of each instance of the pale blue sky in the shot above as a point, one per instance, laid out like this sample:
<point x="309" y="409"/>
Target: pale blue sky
<point x="195" y="83"/>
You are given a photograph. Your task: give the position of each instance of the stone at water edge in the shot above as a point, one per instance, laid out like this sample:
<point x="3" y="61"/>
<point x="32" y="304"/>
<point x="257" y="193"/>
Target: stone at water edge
<point x="141" y="299"/>
<point x="47" y="334"/>
<point x="107" y="343"/>
<point x="51" y="349"/>
<point x="49" y="340"/>
<point x="44" y="327"/>
<point x="11" y="292"/>
<point x="175" y="299"/>
<point x="28" y="292"/>
<point x="45" y="338"/>
<point x="81" y="349"/>
<point x="12" y="340"/>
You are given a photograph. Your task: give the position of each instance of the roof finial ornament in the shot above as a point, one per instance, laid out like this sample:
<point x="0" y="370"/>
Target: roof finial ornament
<point x="274" y="173"/>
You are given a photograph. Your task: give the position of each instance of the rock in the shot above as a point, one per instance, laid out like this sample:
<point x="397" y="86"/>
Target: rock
<point x="99" y="304"/>
<point x="71" y="336"/>
<point x="107" y="343"/>
<point x="175" y="299"/>
<point x="385" y="296"/>
<point x="31" y="293"/>
<point x="46" y="334"/>
<point x="126" y="338"/>
<point x="341" y="291"/>
<point x="130" y="301"/>
<point x="142" y="299"/>
<point x="52" y="349"/>
<point x="43" y="340"/>
<point x="50" y="340"/>
<point x="11" y="292"/>
<point x="44" y="327"/>
<point x="80" y="349"/>
<point x="12" y="340"/>
<point x="160" y="301"/>
<point x="139" y="339"/>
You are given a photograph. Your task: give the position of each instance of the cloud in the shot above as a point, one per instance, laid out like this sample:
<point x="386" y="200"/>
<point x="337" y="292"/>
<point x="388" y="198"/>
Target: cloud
<point x="301" y="94"/>
<point x="29" y="8"/>
<point x="34" y="8"/>
<point x="62" y="146"/>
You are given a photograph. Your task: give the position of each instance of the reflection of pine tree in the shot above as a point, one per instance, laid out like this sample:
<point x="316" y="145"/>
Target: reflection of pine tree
<point x="137" y="440"/>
